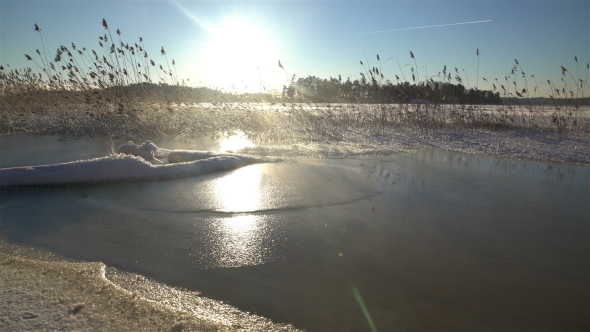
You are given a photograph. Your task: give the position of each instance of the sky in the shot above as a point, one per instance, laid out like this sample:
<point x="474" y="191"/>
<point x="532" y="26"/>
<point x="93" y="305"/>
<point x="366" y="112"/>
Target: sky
<point x="237" y="45"/>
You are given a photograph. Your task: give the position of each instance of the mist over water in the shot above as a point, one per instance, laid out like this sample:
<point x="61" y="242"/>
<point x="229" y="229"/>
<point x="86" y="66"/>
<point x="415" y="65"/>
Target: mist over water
<point x="432" y="240"/>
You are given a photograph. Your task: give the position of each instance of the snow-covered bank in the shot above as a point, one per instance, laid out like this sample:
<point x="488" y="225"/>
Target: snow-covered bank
<point x="142" y="163"/>
<point x="46" y="296"/>
<point x="541" y="146"/>
<point x="123" y="167"/>
<point x="53" y="294"/>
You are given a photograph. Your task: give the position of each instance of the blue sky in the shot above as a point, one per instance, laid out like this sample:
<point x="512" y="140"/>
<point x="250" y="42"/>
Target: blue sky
<point x="239" y="43"/>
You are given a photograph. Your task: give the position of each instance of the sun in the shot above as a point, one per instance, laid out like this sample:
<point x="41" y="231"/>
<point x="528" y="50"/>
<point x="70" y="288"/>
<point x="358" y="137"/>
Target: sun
<point x="238" y="55"/>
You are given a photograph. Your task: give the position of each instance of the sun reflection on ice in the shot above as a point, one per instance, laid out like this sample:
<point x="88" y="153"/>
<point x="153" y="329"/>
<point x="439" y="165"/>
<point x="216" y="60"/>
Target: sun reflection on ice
<point x="239" y="191"/>
<point x="242" y="241"/>
<point x="241" y="237"/>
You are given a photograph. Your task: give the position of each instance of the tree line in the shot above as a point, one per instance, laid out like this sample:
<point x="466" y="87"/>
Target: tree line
<point x="314" y="89"/>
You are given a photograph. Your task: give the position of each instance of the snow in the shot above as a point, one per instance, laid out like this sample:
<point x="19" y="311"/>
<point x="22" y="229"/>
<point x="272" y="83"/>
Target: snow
<point x="139" y="162"/>
<point x="505" y="144"/>
<point x="50" y="293"/>
<point x="345" y="130"/>
<point x="147" y="150"/>
<point x="179" y="156"/>
<point x="126" y="167"/>
<point x="136" y="162"/>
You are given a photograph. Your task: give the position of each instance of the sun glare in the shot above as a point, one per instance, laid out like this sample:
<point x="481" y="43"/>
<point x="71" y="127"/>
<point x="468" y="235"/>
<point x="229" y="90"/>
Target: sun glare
<point x="239" y="55"/>
<point x="235" y="143"/>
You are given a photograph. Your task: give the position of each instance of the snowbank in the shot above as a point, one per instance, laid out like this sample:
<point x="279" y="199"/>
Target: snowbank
<point x="147" y="150"/>
<point x="50" y="293"/>
<point x="122" y="167"/>
<point x="181" y="156"/>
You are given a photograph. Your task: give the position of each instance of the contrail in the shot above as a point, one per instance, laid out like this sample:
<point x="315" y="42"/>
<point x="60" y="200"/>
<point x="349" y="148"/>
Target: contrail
<point x="425" y="27"/>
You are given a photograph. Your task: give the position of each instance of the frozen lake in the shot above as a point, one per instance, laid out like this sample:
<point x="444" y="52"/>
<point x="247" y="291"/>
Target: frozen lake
<point x="429" y="240"/>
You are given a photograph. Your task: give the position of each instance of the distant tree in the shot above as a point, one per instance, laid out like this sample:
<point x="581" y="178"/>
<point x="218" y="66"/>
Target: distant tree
<point x="373" y="88"/>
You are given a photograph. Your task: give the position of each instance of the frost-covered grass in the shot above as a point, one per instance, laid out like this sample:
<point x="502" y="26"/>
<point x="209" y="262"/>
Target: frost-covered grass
<point x="490" y="143"/>
<point x="296" y="121"/>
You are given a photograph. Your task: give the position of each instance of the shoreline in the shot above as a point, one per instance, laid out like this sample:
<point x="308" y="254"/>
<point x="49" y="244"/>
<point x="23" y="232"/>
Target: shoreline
<point x="48" y="293"/>
<point x="539" y="146"/>
<point x="39" y="295"/>
<point x="535" y="146"/>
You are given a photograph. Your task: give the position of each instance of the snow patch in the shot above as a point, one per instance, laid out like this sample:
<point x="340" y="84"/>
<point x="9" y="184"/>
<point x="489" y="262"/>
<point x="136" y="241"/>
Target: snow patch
<point x="148" y="150"/>
<point x="126" y="167"/>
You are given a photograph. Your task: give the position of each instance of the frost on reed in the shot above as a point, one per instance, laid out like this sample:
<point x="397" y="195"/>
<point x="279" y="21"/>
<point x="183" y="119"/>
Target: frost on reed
<point x="82" y="92"/>
<point x="120" y="91"/>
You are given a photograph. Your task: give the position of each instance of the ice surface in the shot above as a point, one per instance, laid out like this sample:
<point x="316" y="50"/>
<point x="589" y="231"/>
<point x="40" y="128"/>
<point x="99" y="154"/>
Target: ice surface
<point x="51" y="292"/>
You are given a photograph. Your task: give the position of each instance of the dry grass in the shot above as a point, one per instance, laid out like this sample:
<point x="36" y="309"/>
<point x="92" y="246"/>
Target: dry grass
<point x="85" y="93"/>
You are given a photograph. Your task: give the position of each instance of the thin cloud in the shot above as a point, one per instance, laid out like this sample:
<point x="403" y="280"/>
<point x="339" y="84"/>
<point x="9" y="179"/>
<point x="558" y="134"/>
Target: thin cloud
<point x="424" y="27"/>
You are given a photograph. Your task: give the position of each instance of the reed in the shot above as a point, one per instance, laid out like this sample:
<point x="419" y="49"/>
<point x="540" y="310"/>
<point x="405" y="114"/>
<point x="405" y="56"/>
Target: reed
<point x="110" y="92"/>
